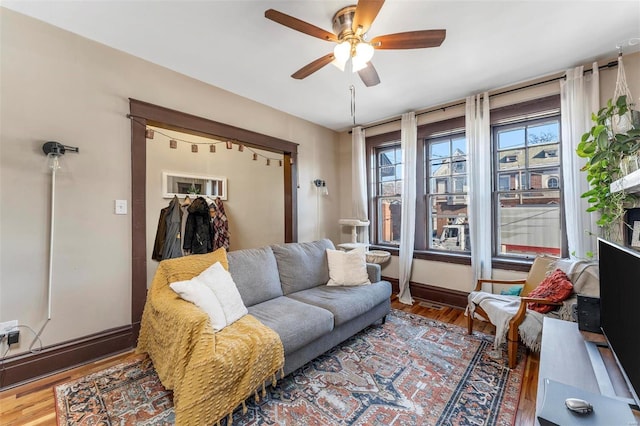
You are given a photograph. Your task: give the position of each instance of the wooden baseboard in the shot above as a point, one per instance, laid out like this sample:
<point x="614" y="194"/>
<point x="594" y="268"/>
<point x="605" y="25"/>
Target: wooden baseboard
<point x="436" y="294"/>
<point x="28" y="367"/>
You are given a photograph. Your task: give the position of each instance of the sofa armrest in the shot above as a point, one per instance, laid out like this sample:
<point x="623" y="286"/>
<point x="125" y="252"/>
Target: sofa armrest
<point x="170" y="330"/>
<point x="374" y="272"/>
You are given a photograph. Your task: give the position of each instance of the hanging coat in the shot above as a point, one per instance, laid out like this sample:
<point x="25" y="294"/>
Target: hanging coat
<point x="219" y="225"/>
<point x="172" y="242"/>
<point x="197" y="233"/>
<point x="161" y="234"/>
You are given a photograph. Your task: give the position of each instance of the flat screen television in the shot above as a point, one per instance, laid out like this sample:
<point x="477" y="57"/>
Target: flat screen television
<point x="620" y="308"/>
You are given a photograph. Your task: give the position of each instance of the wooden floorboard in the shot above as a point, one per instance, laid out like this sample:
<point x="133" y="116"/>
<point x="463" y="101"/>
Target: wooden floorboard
<point x="33" y="403"/>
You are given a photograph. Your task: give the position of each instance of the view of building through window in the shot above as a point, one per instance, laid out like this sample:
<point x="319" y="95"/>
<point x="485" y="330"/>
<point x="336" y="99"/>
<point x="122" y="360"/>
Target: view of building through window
<point x="389" y="191"/>
<point x="526" y="188"/>
<point x="446" y="190"/>
<point x="527" y="197"/>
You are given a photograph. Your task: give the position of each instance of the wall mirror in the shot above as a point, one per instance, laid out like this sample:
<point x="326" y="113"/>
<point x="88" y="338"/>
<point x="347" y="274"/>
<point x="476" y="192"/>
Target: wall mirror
<point x="183" y="184"/>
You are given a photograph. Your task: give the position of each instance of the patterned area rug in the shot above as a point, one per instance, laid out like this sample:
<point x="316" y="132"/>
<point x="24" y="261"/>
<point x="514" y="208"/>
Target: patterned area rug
<point x="409" y="371"/>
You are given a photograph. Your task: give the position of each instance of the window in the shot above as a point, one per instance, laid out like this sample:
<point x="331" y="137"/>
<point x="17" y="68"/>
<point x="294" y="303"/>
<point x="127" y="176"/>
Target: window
<point x="388" y="190"/>
<point x="527" y="209"/>
<point x="446" y="192"/>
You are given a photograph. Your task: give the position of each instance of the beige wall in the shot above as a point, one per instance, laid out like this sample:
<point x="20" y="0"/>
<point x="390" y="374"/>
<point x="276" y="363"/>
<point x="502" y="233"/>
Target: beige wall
<point x="255" y="191"/>
<point x="55" y="85"/>
<point x="460" y="277"/>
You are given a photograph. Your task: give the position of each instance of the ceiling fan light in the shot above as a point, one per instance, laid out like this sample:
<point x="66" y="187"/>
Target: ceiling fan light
<point x="342" y="51"/>
<point x="338" y="64"/>
<point x="364" y="52"/>
<point x="357" y="64"/>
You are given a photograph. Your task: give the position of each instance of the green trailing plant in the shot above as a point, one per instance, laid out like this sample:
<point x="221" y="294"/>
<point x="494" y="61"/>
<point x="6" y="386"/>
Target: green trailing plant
<point x="604" y="150"/>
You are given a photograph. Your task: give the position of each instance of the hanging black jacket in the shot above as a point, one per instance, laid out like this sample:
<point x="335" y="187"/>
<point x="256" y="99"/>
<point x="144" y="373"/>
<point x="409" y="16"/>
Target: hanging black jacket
<point x="197" y="233"/>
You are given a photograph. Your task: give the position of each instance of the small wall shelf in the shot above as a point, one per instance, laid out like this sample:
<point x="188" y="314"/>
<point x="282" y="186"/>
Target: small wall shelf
<point x="629" y="183"/>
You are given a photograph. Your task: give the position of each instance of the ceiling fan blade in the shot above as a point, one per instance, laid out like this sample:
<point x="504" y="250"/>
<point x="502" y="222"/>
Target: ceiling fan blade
<point x="299" y="25"/>
<point x="366" y="12"/>
<point x="312" y="67"/>
<point x="410" y="40"/>
<point x="369" y="75"/>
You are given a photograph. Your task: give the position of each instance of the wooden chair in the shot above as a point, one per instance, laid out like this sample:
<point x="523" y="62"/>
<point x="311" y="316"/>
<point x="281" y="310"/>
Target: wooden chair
<point x="536" y="275"/>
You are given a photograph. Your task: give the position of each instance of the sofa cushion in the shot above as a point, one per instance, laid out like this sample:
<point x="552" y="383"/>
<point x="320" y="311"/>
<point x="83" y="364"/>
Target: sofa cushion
<point x="302" y="265"/>
<point x="255" y="273"/>
<point x="297" y="323"/>
<point x="347" y="267"/>
<point x="345" y="303"/>
<point x="186" y="267"/>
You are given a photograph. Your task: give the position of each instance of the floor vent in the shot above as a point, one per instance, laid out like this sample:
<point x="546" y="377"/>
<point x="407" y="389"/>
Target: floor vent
<point x="430" y="305"/>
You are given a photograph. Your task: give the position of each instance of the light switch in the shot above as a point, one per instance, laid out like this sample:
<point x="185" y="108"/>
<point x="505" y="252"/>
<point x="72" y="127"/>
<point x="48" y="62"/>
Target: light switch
<point x="121" y="207"/>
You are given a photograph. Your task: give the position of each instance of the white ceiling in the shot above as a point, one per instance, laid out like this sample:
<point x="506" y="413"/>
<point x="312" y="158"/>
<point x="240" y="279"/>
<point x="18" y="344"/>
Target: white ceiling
<point x="231" y="45"/>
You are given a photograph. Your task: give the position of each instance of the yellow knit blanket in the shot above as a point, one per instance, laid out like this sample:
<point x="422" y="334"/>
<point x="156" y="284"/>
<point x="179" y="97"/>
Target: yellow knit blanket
<point x="210" y="373"/>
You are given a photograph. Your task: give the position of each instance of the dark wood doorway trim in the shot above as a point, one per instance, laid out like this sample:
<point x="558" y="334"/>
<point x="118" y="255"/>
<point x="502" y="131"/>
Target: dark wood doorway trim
<point x="143" y="114"/>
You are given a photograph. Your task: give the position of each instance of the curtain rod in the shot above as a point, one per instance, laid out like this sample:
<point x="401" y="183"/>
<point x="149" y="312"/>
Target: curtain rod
<point x="610" y="64"/>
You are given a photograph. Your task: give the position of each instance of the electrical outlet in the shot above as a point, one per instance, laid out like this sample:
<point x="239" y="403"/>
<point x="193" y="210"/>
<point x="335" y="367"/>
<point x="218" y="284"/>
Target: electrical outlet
<point x="14" y="337"/>
<point x="6" y="327"/>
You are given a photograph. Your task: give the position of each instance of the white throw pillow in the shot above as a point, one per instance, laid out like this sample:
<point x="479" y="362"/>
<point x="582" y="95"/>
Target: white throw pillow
<point x="347" y="268"/>
<point x="203" y="297"/>
<point x="219" y="280"/>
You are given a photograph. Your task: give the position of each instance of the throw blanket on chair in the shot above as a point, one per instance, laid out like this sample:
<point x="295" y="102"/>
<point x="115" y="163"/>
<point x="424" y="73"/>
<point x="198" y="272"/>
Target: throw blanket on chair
<point x="500" y="310"/>
<point x="210" y="373"/>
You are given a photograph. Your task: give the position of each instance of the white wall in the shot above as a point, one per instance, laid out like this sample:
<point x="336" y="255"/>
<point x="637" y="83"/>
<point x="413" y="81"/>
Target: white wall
<point x="55" y="85"/>
<point x="460" y="277"/>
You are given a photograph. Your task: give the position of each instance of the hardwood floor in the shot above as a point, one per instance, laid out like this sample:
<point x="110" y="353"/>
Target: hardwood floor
<point x="33" y="403"/>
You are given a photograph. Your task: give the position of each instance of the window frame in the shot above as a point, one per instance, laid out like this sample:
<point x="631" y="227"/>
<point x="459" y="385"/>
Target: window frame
<point x="424" y="131"/>
<point x="525" y="113"/>
<point x="532" y="108"/>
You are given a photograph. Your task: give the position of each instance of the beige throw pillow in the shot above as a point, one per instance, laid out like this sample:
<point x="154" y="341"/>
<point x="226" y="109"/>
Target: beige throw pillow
<point x="347" y="268"/>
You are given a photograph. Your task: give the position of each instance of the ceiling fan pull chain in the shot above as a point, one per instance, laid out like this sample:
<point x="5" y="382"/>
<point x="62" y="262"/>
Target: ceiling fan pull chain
<point x="352" y="89"/>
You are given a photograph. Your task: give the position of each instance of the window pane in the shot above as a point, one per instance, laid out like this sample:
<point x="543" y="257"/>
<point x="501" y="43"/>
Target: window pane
<point x="399" y="172"/>
<point x="387" y="173"/>
<point x="529" y="223"/>
<point x="439" y="149"/>
<point x="511" y="138"/>
<point x="459" y="165"/>
<point x="543" y="133"/>
<point x="544" y="155"/>
<point x="438" y="168"/>
<point x="388" y="188"/>
<point x="511" y="159"/>
<point x="389" y="220"/>
<point x="511" y="181"/>
<point x="459" y="184"/>
<point x="544" y="178"/>
<point x="399" y="187"/>
<point x="459" y="146"/>
<point x="386" y="157"/>
<point x="439" y="185"/>
<point x="449" y="226"/>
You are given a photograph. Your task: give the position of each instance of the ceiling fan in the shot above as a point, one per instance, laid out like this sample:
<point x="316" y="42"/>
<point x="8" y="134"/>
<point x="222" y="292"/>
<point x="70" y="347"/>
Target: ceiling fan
<point x="350" y="26"/>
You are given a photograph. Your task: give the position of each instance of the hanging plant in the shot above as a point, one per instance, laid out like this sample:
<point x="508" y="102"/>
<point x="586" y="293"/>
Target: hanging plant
<point x="604" y="150"/>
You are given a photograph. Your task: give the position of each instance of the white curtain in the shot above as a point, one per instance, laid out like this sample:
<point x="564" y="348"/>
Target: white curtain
<point x="408" y="141"/>
<point x="579" y="97"/>
<point x="359" y="207"/>
<point x="479" y="162"/>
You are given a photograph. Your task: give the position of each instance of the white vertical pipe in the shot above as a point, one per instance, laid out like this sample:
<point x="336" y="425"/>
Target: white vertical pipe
<point x="53" y="216"/>
<point x="54" y="165"/>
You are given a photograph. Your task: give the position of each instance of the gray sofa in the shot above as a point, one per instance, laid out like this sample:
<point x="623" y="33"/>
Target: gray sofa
<point x="284" y="286"/>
